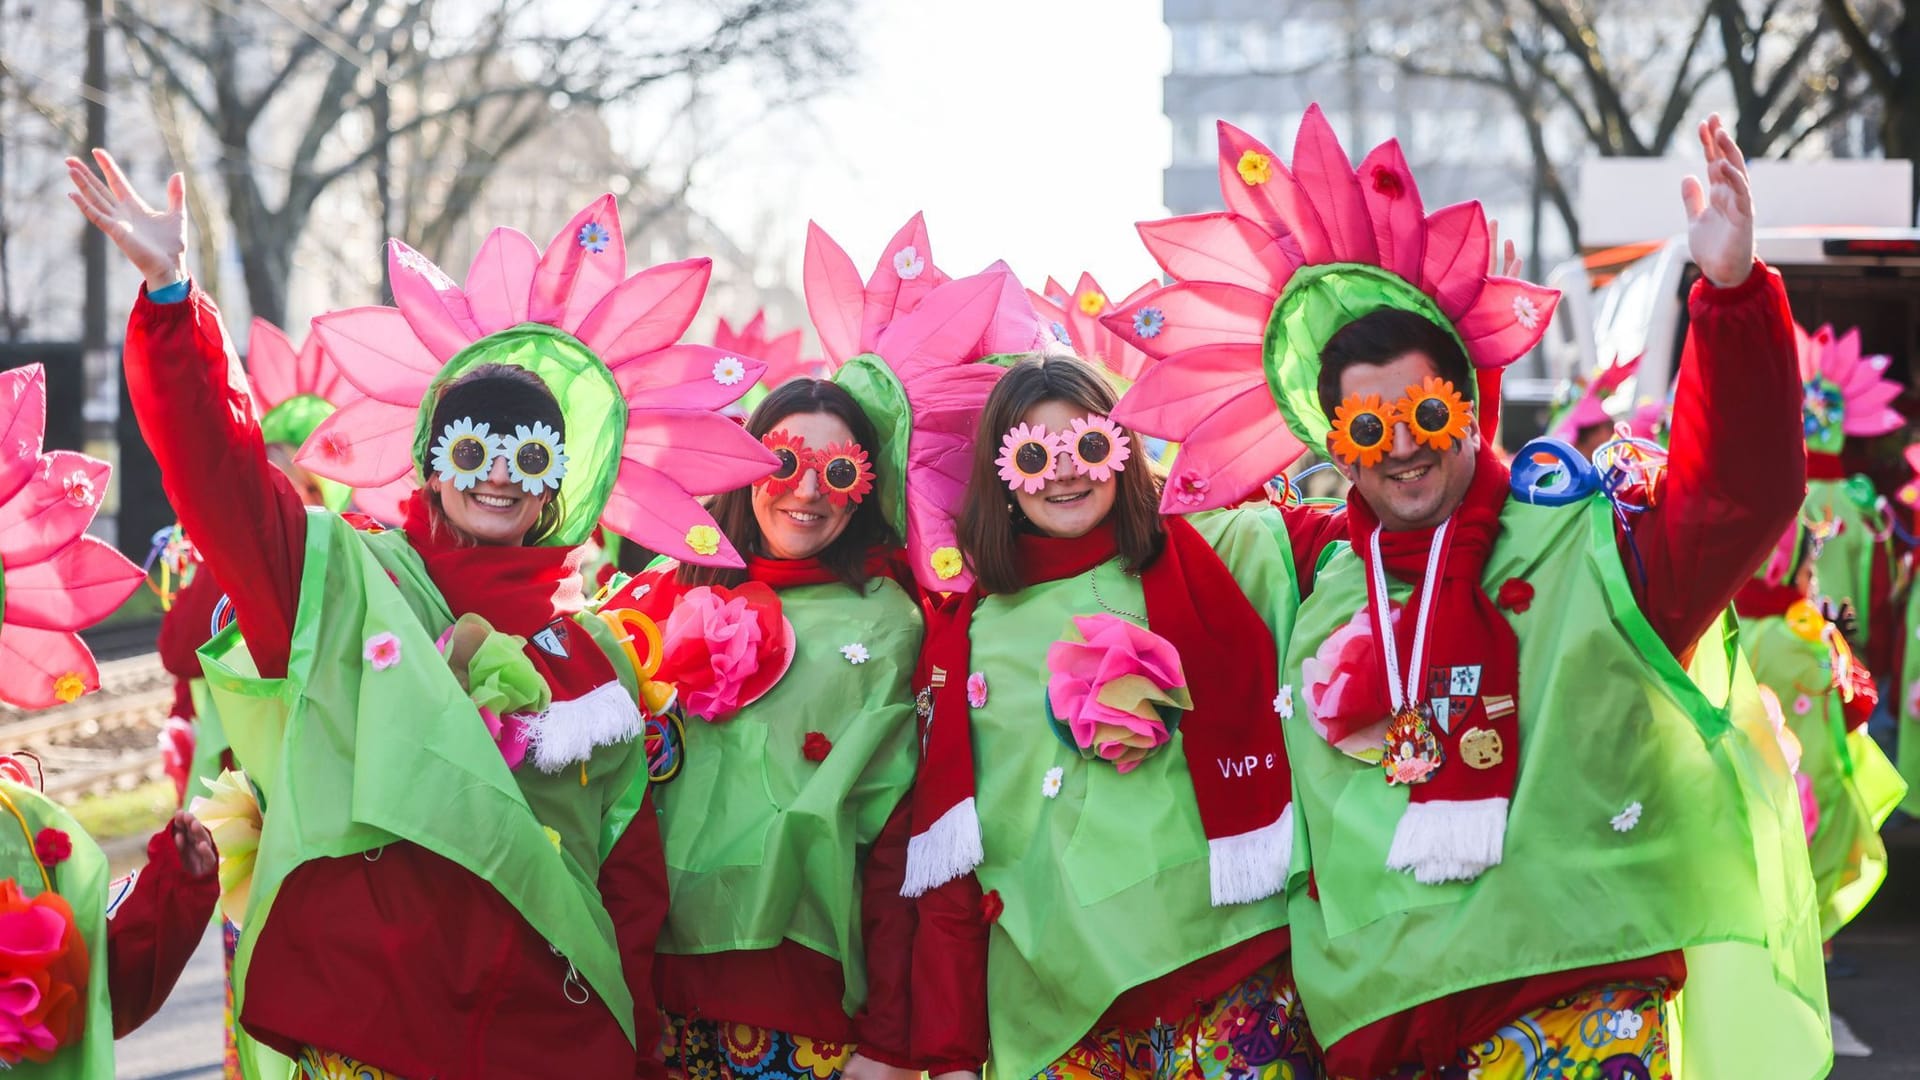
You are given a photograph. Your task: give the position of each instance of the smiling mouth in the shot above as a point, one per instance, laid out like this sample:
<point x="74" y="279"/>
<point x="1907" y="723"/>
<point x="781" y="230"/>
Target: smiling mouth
<point x="801" y="517"/>
<point x="1065" y="500"/>
<point x="1408" y="476"/>
<point x="488" y="501"/>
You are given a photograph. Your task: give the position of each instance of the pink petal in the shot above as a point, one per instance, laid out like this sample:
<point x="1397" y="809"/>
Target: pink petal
<point x="1393" y="205"/>
<point x="570" y="280"/>
<point x="681" y="376"/>
<point x="1494" y="332"/>
<point x="782" y="355"/>
<point x="386" y="503"/>
<point x="366" y="444"/>
<point x="272" y="366"/>
<point x="500" y="281"/>
<point x="434" y="306"/>
<point x="1197" y="313"/>
<point x="1280" y="204"/>
<point x="315" y="373"/>
<point x="648" y="508"/>
<point x="705" y="452"/>
<point x="378" y="352"/>
<point x="75" y="587"/>
<point x="835" y="296"/>
<point x="1236" y="449"/>
<point x="1322" y="169"/>
<point x="23" y="397"/>
<point x="1177" y="394"/>
<point x="1454" y="269"/>
<point x="31" y="660"/>
<point x="950" y="326"/>
<point x="1221" y="247"/>
<point x="888" y="296"/>
<point x="40" y="518"/>
<point x="646" y="312"/>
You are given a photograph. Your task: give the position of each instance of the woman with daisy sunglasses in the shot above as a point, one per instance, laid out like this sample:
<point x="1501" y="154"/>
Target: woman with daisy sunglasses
<point x="781" y="802"/>
<point x="1102" y="820"/>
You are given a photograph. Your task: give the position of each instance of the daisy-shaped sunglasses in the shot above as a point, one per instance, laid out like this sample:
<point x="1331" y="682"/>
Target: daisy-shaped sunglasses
<point x="1029" y="454"/>
<point x="845" y="474"/>
<point x="1434" y="412"/>
<point x="535" y="455"/>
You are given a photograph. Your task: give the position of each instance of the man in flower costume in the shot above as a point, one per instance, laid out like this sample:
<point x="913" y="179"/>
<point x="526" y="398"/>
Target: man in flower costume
<point x="1527" y="825"/>
<point x="451" y="917"/>
<point x="82" y="961"/>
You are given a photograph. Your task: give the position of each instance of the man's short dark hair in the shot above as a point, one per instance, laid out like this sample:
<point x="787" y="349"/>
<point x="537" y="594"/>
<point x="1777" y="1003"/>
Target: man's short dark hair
<point x="1382" y="336"/>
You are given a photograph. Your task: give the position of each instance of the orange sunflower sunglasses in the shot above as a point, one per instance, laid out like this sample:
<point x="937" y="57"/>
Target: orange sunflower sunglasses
<point x="1434" y="412"/>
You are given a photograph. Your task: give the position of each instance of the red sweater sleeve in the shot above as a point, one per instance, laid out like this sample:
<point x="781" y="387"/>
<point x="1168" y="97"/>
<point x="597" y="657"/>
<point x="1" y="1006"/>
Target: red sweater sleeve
<point x="154" y="932"/>
<point x="194" y="411"/>
<point x="883" y="1027"/>
<point x="1737" y="465"/>
<point x="633" y="886"/>
<point x="949" y="989"/>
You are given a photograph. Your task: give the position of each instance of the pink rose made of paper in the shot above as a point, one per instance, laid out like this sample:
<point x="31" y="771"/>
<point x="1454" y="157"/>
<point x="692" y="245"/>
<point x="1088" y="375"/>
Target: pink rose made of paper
<point x="1345" y="687"/>
<point x="725" y="648"/>
<point x="1114" y="649"/>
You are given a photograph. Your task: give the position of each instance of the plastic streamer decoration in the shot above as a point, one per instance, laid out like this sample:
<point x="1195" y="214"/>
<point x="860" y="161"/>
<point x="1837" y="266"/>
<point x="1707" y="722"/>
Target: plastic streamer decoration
<point x="57" y="579"/>
<point x="1259" y="288"/>
<point x="647" y="435"/>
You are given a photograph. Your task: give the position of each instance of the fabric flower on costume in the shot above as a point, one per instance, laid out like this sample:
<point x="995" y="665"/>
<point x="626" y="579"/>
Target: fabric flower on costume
<point x="52" y="847"/>
<point x="382" y="651"/>
<point x="725" y="648"/>
<point x="1258" y="288"/>
<point x="43" y="976"/>
<point x="1050" y="783"/>
<point x="646" y="435"/>
<point x="1283" y="702"/>
<point x="1516" y="594"/>
<point x="816" y="746"/>
<point x="1345" y="687"/>
<point x="729" y="370"/>
<point x="57" y="580"/>
<point x="1625" y="820"/>
<point x="855" y="653"/>
<point x="780" y="353"/>
<point x="977" y="690"/>
<point x="1846" y="392"/>
<point x="991" y="906"/>
<point x="1116" y="688"/>
<point x="1081" y="328"/>
<point x="910" y="342"/>
<point x="231" y="814"/>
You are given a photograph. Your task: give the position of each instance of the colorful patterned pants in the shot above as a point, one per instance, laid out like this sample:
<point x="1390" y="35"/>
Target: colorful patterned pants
<point x="1615" y="1033"/>
<point x="229" y="942"/>
<point x="722" y="1050"/>
<point x="1255" y="1031"/>
<point x="327" y="1065"/>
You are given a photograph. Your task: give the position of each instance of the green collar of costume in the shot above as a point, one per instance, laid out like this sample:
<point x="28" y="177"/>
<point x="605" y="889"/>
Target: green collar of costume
<point x="1317" y="302"/>
<point x="590" y="399"/>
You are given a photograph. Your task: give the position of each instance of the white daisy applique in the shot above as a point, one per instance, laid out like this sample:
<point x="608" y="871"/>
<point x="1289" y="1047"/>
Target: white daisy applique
<point x="855" y="653"/>
<point x="1625" y="820"/>
<point x="1283" y="702"/>
<point x="1050" y="783"/>
<point x="728" y="370"/>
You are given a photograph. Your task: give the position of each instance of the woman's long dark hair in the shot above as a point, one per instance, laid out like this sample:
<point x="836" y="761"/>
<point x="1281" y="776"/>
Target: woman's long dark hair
<point x="990" y="515"/>
<point x="868" y="529"/>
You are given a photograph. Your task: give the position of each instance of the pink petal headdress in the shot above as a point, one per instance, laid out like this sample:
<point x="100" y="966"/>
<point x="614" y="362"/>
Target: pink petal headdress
<point x="1261" y="286"/>
<point x="910" y="342"/>
<point x="645" y="433"/>
<point x="56" y="578"/>
<point x="1847" y="393"/>
<point x="1590" y="407"/>
<point x="1073" y="320"/>
<point x="780" y="353"/>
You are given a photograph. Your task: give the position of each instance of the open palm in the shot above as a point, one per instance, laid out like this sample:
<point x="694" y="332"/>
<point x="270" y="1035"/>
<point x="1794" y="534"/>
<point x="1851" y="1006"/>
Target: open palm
<point x="1720" y="213"/>
<point x="154" y="241"/>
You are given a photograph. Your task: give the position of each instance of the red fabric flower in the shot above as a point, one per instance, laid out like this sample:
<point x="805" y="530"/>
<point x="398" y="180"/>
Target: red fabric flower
<point x="1388" y="182"/>
<point x="1515" y="595"/>
<point x="52" y="846"/>
<point x="991" y="906"/>
<point x="43" y="965"/>
<point x="816" y="747"/>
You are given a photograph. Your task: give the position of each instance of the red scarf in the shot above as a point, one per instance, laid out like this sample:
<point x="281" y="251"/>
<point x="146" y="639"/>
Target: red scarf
<point x="533" y="592"/>
<point x="1231" y="737"/>
<point x="1467" y="688"/>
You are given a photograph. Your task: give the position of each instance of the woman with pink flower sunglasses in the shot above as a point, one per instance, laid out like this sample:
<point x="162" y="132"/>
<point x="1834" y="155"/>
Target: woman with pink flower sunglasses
<point x="1102" y="821"/>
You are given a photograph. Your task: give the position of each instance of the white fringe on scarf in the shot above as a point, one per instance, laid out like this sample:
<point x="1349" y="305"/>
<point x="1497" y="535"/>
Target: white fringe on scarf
<point x="1449" y="841"/>
<point x="1253" y="865"/>
<point x="569" y="731"/>
<point x="948" y="848"/>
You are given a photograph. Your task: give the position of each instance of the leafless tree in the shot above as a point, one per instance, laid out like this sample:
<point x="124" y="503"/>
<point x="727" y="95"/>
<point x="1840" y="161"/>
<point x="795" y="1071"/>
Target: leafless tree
<point x="1884" y="39"/>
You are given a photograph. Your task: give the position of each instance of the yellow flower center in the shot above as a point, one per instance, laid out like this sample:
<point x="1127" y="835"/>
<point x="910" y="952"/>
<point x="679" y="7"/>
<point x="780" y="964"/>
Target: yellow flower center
<point x="703" y="539"/>
<point x="1255" y="168"/>
<point x="946" y="563"/>
<point x="69" y="687"/>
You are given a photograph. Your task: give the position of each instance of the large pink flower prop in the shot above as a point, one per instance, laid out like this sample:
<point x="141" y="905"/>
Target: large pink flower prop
<point x="1073" y="319"/>
<point x="780" y="353"/>
<point x="1112" y="683"/>
<point x="1231" y="269"/>
<point x="57" y="579"/>
<point x="677" y="445"/>
<point x="1346" y="689"/>
<point x="918" y="336"/>
<point x="1867" y="395"/>
<point x="725" y="648"/>
<point x="1591" y="407"/>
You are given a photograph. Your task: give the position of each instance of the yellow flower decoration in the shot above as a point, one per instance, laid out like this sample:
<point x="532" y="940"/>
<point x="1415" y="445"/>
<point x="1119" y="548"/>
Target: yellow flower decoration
<point x="1255" y="168"/>
<point x="1805" y="621"/>
<point x="553" y="836"/>
<point x="69" y="687"/>
<point x="703" y="539"/>
<point x="947" y="563"/>
<point x="1092" y="303"/>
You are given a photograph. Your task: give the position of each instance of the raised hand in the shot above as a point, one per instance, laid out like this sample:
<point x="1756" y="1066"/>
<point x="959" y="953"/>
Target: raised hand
<point x="154" y="241"/>
<point x="1505" y="263"/>
<point x="194" y="843"/>
<point x="1720" y="213"/>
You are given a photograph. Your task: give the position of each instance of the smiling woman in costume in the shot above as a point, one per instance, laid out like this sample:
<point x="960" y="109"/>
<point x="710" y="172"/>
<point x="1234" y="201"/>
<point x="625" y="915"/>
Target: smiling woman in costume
<point x="448" y="674"/>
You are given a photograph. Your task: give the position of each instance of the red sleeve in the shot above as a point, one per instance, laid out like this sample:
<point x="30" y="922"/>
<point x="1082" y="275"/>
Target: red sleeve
<point x="633" y="886"/>
<point x="949" y="990"/>
<point x="882" y="1029"/>
<point x="1311" y="529"/>
<point x="244" y="517"/>
<point x="153" y="934"/>
<point x="1737" y="465"/>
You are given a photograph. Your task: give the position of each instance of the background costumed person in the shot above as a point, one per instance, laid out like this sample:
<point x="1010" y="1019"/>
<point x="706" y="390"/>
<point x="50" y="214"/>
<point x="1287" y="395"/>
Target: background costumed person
<point x="83" y="960"/>
<point x="1527" y="824"/>
<point x="448" y="674"/>
<point x="1102" y="821"/>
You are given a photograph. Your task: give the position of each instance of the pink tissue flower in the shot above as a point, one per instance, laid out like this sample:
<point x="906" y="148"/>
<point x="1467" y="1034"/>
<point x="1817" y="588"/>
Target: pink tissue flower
<point x="1117" y="721"/>
<point x="725" y="648"/>
<point x="1345" y="686"/>
<point x="977" y="690"/>
<point x="382" y="651"/>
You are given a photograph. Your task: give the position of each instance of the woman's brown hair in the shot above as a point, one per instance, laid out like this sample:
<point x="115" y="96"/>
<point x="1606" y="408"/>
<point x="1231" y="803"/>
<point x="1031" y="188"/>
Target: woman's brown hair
<point x="733" y="510"/>
<point x="990" y="516"/>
